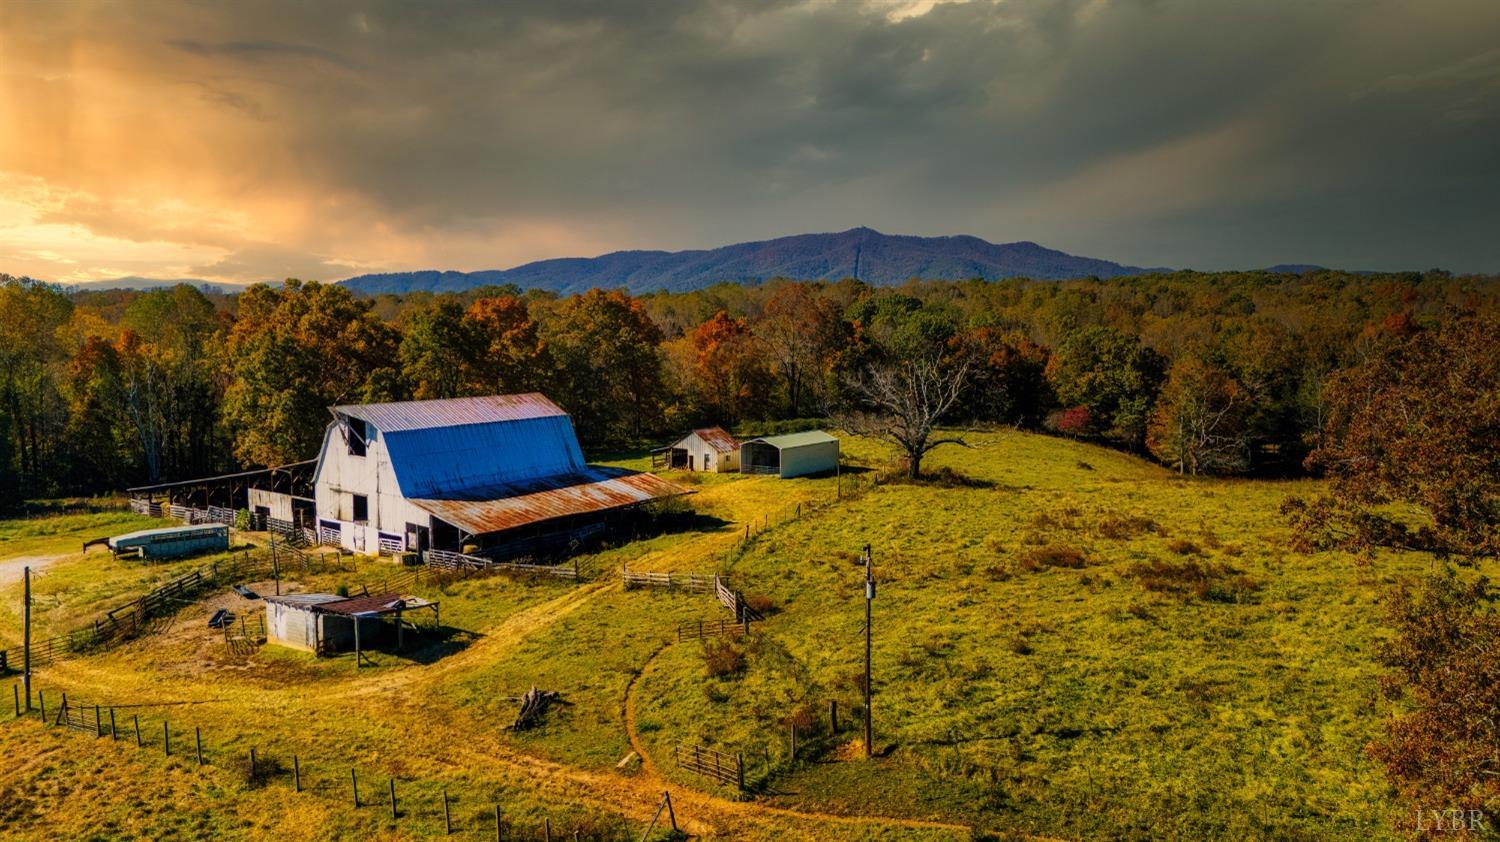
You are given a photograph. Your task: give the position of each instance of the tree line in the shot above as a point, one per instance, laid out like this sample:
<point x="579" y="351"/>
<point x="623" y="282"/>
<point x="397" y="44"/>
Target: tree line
<point x="1224" y="373"/>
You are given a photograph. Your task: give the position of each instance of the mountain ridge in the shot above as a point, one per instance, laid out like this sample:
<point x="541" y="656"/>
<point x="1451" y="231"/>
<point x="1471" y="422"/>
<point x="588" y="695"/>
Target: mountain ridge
<point x="874" y="257"/>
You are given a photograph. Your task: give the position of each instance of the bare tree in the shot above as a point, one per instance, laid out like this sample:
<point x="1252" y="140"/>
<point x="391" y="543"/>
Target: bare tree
<point x="901" y="401"/>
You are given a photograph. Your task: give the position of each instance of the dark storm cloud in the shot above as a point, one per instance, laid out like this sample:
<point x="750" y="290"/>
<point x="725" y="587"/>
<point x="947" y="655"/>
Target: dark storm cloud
<point x="1206" y="134"/>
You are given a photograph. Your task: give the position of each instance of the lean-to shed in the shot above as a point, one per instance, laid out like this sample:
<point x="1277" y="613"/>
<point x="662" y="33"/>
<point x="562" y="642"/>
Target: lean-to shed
<point x="790" y="455"/>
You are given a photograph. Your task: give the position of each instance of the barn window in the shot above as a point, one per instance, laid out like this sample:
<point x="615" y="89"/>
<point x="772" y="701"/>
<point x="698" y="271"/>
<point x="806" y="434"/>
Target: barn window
<point x="359" y="433"/>
<point x="361" y="508"/>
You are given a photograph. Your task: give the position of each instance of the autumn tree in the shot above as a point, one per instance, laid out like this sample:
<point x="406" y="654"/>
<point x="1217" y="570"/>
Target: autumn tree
<point x="800" y="329"/>
<point x="511" y="354"/>
<point x="1200" y="421"/>
<point x="32" y="411"/>
<point x="609" y="364"/>
<point x="1009" y="382"/>
<point x="440" y="351"/>
<point x="727" y="373"/>
<point x="292" y="353"/>
<point x="1416" y="422"/>
<point x="1111" y="374"/>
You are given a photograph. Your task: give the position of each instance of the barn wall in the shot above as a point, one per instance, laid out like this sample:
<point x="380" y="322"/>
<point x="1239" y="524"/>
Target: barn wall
<point x="809" y="459"/>
<point x="342" y="475"/>
<point x="279" y="504"/>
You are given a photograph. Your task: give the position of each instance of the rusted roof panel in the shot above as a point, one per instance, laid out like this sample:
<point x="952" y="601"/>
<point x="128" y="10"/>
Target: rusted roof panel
<point x="385" y="603"/>
<point x="718" y="439"/>
<point x="452" y="412"/>
<point x="502" y="507"/>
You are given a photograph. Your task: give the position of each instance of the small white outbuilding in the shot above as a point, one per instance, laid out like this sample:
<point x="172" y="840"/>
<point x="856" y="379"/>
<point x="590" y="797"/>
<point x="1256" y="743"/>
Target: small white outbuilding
<point x="709" y="449"/>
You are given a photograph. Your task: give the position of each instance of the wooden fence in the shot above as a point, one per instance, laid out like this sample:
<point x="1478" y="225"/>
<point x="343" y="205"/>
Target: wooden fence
<point x="446" y="560"/>
<point x="712" y="628"/>
<point x="734" y="601"/>
<point x="720" y="766"/>
<point x="133" y="618"/>
<point x="695" y="582"/>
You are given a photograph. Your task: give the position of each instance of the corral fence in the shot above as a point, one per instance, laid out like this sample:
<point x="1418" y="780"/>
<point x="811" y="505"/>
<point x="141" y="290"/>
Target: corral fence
<point x="145" y="507"/>
<point x="711" y="628"/>
<point x="735" y="602"/>
<point x="133" y="618"/>
<point x="448" y="560"/>
<point x="694" y="582"/>
<point x="728" y="769"/>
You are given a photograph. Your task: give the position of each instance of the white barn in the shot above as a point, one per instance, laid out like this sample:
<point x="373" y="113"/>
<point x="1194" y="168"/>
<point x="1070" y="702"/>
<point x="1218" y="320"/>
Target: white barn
<point x="503" y="473"/>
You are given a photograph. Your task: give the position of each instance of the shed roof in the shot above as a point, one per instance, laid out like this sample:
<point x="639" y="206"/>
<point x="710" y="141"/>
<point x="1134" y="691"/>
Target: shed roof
<point x="304" y="600"/>
<point x="716" y="438"/>
<point x="792" y="440"/>
<point x="509" y="505"/>
<point x="452" y="412"/>
<point x="363" y="606"/>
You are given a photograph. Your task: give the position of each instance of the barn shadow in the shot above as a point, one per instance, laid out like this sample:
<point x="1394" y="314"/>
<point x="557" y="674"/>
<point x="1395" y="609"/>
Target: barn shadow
<point x="429" y="645"/>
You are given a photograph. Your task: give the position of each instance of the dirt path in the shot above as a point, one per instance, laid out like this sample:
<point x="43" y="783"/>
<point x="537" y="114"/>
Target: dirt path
<point x="12" y="570"/>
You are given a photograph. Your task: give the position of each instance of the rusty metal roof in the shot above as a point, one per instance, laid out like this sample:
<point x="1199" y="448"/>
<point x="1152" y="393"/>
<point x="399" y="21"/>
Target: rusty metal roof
<point x="452" y="412"/>
<point x="384" y="603"/>
<point x="507" y="506"/>
<point x="718" y="439"/>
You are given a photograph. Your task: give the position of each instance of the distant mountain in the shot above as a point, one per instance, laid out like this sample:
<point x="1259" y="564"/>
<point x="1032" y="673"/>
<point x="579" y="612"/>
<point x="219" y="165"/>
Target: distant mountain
<point x="876" y="258"/>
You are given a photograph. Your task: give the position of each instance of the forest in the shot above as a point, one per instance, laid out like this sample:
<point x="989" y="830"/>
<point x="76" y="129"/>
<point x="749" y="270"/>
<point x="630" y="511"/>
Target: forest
<point x="1222" y="373"/>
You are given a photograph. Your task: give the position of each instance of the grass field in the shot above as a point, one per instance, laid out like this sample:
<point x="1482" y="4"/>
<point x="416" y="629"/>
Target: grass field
<point x="1069" y="643"/>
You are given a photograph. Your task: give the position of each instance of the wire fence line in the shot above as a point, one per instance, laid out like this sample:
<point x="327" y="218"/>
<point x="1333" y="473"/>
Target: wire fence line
<point x="254" y="767"/>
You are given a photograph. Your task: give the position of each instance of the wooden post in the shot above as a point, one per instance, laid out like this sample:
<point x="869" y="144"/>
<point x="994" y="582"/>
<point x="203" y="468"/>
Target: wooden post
<point x="276" y="573"/>
<point x="794" y="742"/>
<point x="296" y="774"/>
<point x="833" y="716"/>
<point x="739" y="768"/>
<point x="114" y="733"/>
<point x="198" y="741"/>
<point x="137" y="719"/>
<point x="98" y="723"/>
<point x="166" y="738"/>
<point x="447" y="817"/>
<point x="497" y="823"/>
<point x="26" y="638"/>
<point x="547" y="828"/>
<point x="354" y="783"/>
<point x="869" y="632"/>
<point x="15" y="690"/>
<point x="671" y="815"/>
<point x="43" y="703"/>
<point x="393" y="799"/>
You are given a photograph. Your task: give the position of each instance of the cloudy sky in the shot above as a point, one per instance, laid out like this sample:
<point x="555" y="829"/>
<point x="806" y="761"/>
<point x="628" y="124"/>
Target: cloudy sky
<point x="247" y="141"/>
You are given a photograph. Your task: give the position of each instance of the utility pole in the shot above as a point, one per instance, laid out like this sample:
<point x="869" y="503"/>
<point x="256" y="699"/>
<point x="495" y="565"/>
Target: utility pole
<point x="26" y="638"/>
<point x="869" y="600"/>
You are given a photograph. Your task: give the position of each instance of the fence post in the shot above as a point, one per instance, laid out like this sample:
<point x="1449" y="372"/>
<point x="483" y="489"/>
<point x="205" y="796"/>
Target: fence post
<point x="15" y="690"/>
<point x="547" y="828"/>
<point x="393" y="799"/>
<point x="497" y="823"/>
<point x="137" y="719"/>
<point x="354" y="782"/>
<point x="739" y="768"/>
<point x="198" y="742"/>
<point x="98" y="723"/>
<point x="166" y="738"/>
<point x="671" y="815"/>
<point x="296" y="774"/>
<point x="447" y="819"/>
<point x="43" y="703"/>
<point x="114" y="733"/>
<point x="794" y="742"/>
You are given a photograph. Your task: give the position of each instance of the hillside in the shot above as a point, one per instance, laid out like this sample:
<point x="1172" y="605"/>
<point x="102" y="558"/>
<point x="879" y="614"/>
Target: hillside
<point x="880" y="259"/>
<point x="1065" y="625"/>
